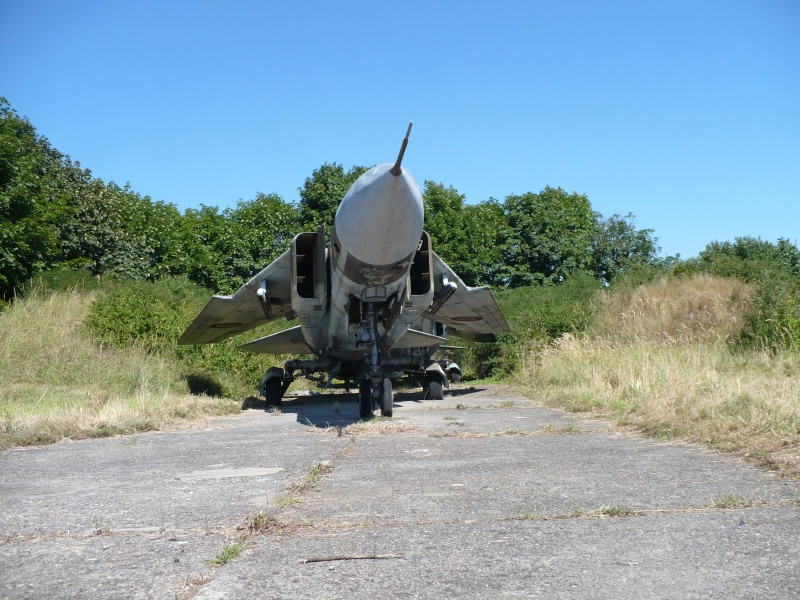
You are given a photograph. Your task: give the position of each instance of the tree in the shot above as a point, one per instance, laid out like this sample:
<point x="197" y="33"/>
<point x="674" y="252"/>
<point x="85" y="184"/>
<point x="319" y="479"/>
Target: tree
<point x="266" y="225"/>
<point x="322" y="192"/>
<point x="106" y="232"/>
<point x="619" y="246"/>
<point x="749" y="257"/>
<point x="31" y="207"/>
<point x="469" y="237"/>
<point x="214" y="253"/>
<point x="552" y="235"/>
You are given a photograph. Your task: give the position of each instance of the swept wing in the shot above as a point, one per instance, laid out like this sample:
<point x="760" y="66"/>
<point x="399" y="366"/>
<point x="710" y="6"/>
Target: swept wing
<point x="470" y="313"/>
<point x="226" y="316"/>
<point x="288" y="341"/>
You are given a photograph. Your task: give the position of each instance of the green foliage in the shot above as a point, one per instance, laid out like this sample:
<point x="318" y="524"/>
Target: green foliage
<point x="224" y="251"/>
<point x="553" y="236"/>
<point x="227" y="553"/>
<point x="105" y="232"/>
<point x="29" y="210"/>
<point x="641" y="273"/>
<point x="536" y="315"/>
<point x="322" y="192"/>
<point x="544" y="312"/>
<point x="619" y="247"/>
<point x="265" y="226"/>
<point x="774" y="316"/>
<point x="60" y="280"/>
<point x="152" y="315"/>
<point x="774" y="272"/>
<point x="454" y="226"/>
<point x="211" y="248"/>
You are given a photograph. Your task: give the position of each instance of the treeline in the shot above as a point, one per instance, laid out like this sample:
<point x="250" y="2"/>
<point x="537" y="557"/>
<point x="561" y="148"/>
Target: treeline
<point x="55" y="215"/>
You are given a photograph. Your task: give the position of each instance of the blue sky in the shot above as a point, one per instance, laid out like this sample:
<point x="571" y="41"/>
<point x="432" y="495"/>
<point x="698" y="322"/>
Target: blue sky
<point x="685" y="113"/>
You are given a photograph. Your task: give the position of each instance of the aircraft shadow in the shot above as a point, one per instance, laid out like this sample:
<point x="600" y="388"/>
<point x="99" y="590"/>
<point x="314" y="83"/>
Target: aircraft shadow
<point x="339" y="409"/>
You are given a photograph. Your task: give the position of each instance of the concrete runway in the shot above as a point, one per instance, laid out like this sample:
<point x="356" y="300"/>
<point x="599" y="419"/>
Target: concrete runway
<point x="480" y="495"/>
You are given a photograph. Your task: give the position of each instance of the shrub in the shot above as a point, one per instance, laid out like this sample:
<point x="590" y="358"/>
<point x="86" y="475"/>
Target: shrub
<point x="536" y="315"/>
<point x="153" y="315"/>
<point x="774" y="315"/>
<point x="773" y="270"/>
<point x="62" y="280"/>
<point x="673" y="311"/>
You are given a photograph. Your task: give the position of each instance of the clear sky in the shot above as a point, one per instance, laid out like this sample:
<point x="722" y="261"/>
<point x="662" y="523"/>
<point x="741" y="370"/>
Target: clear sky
<point x="686" y="113"/>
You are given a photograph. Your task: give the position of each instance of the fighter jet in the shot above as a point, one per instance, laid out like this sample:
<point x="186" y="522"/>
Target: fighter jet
<point x="373" y="305"/>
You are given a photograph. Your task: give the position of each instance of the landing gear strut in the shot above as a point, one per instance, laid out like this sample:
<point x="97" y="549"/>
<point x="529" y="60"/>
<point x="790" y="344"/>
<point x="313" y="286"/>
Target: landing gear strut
<point x="376" y="390"/>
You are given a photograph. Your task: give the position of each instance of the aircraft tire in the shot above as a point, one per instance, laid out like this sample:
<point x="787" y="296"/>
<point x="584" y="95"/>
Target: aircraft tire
<point x="435" y="388"/>
<point x="273" y="392"/>
<point x="365" y="399"/>
<point x="387" y="398"/>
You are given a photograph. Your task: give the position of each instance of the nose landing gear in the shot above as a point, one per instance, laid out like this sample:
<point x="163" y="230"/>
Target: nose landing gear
<point x="368" y="404"/>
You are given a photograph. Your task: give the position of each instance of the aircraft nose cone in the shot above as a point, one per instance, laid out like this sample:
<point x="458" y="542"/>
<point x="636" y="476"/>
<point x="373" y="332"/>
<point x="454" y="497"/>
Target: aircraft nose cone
<point x="380" y="219"/>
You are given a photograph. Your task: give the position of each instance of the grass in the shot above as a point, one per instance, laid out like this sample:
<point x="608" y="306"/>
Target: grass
<point x="663" y="358"/>
<point x="568" y="429"/>
<point x="733" y="501"/>
<point x="262" y="522"/>
<point x="604" y="511"/>
<point x="287" y="501"/>
<point x="377" y="426"/>
<point x="57" y="382"/>
<point x="227" y="553"/>
<point x="314" y="475"/>
<point x="493" y="434"/>
<point x="505" y="404"/>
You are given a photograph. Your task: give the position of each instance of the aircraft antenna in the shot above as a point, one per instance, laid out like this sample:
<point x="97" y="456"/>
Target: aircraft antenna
<point x="396" y="168"/>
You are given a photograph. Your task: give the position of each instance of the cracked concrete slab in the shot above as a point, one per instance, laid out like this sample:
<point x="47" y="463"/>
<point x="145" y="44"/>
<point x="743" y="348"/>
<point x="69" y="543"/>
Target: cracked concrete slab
<point x="483" y="494"/>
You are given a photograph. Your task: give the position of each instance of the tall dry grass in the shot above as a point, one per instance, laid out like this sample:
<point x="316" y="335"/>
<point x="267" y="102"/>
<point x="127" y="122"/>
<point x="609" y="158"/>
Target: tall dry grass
<point x="57" y="382"/>
<point x="661" y="357"/>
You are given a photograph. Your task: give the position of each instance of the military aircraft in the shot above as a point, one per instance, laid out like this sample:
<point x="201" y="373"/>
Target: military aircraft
<point x="372" y="306"/>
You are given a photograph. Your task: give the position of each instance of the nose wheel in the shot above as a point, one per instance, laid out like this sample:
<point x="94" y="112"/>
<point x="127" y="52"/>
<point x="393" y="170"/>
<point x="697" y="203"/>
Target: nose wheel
<point x="365" y="399"/>
<point x="367" y="404"/>
<point x="387" y="398"/>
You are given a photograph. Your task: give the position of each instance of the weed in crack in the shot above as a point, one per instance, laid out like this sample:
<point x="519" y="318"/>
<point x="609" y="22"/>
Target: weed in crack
<point x="315" y="473"/>
<point x="606" y="511"/>
<point x="568" y="429"/>
<point x="263" y="523"/>
<point x="524" y="517"/>
<point x="506" y="404"/>
<point x="287" y="501"/>
<point x="227" y="553"/>
<point x="732" y="501"/>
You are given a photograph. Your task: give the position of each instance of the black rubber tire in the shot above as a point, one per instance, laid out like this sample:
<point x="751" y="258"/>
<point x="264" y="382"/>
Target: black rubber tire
<point x="435" y="387"/>
<point x="273" y="392"/>
<point x="365" y="399"/>
<point x="387" y="398"/>
<point x="455" y="377"/>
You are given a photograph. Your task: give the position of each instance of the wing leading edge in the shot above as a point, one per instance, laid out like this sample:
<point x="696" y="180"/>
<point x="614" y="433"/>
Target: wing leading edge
<point x="226" y="316"/>
<point x="470" y="313"/>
